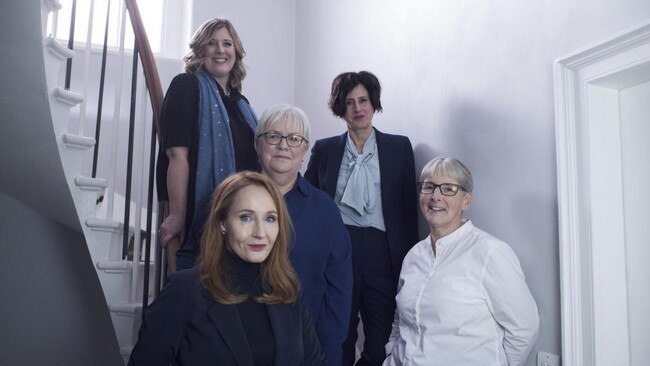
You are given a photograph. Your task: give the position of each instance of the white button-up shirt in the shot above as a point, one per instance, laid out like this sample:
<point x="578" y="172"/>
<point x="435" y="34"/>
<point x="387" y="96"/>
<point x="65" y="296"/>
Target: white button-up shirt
<point x="467" y="305"/>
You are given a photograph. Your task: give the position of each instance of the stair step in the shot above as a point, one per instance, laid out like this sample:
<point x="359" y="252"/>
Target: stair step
<point x="120" y="265"/>
<point x="114" y="266"/>
<point x="78" y="142"/>
<point x="66" y="96"/>
<point x="57" y="49"/>
<point x="126" y="308"/>
<point x="103" y="224"/>
<point x="90" y="184"/>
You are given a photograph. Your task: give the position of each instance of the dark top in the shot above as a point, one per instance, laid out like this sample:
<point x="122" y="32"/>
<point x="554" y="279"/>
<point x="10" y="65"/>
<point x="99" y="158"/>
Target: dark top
<point x="242" y="136"/>
<point x="321" y="255"/>
<point x="185" y="325"/>
<point x="179" y="124"/>
<point x="254" y="317"/>
<point x="398" y="193"/>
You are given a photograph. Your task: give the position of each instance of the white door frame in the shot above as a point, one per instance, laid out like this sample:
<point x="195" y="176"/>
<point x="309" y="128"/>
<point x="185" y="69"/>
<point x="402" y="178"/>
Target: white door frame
<point x="590" y="195"/>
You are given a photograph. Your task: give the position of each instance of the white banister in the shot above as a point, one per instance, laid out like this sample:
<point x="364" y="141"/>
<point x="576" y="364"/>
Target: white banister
<point x="112" y="166"/>
<point x="89" y="35"/>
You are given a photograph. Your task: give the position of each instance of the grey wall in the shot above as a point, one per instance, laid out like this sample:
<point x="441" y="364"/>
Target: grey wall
<point x="52" y="309"/>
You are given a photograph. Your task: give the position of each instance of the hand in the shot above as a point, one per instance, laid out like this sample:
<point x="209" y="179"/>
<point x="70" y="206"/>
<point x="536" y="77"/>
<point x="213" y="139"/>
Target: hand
<point x="173" y="226"/>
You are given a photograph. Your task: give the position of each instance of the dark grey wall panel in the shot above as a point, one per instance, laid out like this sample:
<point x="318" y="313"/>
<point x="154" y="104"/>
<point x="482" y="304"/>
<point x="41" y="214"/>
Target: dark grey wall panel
<point x="52" y="309"/>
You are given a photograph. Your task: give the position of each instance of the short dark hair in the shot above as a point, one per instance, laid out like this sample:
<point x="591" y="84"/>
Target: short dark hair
<point x="343" y="84"/>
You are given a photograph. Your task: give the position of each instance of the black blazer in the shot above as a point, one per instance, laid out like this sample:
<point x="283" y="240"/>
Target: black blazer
<point x="398" y="192"/>
<point x="186" y="326"/>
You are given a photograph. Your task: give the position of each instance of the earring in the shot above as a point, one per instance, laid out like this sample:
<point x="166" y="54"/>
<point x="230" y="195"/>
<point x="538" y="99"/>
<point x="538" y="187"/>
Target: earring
<point x="224" y="232"/>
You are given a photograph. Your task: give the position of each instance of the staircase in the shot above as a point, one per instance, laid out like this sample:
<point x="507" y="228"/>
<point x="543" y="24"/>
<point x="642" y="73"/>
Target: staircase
<point x="121" y="279"/>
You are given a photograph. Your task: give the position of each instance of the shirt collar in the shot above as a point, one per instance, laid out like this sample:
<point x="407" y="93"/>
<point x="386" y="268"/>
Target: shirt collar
<point x="301" y="186"/>
<point x="455" y="236"/>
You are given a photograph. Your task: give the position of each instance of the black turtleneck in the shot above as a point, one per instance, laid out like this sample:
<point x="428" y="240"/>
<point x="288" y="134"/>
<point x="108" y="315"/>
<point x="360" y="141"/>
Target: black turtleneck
<point x="254" y="317"/>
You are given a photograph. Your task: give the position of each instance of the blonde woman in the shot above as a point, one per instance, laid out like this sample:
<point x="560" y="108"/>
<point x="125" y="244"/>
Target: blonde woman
<point x="207" y="130"/>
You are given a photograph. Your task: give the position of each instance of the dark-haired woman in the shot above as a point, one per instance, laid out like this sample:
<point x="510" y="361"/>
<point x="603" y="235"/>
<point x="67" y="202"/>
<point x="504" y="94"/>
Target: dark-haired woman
<point x="371" y="176"/>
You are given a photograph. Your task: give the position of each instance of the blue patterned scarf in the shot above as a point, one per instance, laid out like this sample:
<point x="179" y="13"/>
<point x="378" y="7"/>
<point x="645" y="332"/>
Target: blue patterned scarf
<point x="216" y="155"/>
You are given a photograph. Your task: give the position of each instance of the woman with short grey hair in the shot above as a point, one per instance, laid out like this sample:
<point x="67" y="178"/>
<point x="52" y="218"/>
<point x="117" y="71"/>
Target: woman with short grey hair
<point x="462" y="297"/>
<point x="321" y="252"/>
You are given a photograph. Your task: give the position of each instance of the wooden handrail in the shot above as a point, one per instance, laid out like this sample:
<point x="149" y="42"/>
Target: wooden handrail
<point x="152" y="79"/>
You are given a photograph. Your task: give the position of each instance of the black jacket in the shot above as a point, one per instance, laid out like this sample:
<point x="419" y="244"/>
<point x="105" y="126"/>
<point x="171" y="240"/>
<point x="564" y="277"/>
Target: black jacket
<point x="186" y="326"/>
<point x="398" y="192"/>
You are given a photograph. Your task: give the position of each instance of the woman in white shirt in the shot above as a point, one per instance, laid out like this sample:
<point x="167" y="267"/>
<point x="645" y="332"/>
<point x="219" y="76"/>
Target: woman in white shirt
<point x="462" y="298"/>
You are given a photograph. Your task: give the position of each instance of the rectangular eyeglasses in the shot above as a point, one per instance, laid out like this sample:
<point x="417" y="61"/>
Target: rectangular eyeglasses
<point x="446" y="189"/>
<point x="274" y="138"/>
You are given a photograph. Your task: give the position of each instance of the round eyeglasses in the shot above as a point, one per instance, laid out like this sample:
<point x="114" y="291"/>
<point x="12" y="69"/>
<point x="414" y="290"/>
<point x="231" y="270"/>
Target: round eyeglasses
<point x="274" y="138"/>
<point x="446" y="189"/>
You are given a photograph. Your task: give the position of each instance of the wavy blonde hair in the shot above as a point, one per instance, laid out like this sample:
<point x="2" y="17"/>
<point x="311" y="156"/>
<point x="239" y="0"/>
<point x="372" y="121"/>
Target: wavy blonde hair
<point x="280" y="281"/>
<point x="195" y="58"/>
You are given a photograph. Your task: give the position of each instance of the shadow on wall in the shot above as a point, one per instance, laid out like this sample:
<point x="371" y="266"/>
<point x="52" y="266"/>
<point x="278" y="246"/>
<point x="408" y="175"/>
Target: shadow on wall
<point x="52" y="310"/>
<point x="423" y="154"/>
<point x="542" y="278"/>
<point x="481" y="137"/>
<point x="477" y="135"/>
<point x="514" y="195"/>
<point x="501" y="151"/>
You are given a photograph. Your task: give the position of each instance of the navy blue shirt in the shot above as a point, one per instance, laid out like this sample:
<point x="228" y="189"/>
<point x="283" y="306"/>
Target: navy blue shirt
<point x="321" y="255"/>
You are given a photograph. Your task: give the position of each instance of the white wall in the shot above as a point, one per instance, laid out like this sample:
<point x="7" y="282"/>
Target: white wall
<point x="471" y="79"/>
<point x="267" y="29"/>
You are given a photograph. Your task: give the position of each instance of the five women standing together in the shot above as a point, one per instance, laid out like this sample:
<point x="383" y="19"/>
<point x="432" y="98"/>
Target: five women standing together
<point x="240" y="301"/>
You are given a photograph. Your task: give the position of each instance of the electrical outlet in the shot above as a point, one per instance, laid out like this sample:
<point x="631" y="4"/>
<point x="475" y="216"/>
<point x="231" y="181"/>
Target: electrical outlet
<point x="547" y="359"/>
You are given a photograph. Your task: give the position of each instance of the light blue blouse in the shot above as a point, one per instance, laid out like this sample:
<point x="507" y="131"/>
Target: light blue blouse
<point x="358" y="188"/>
